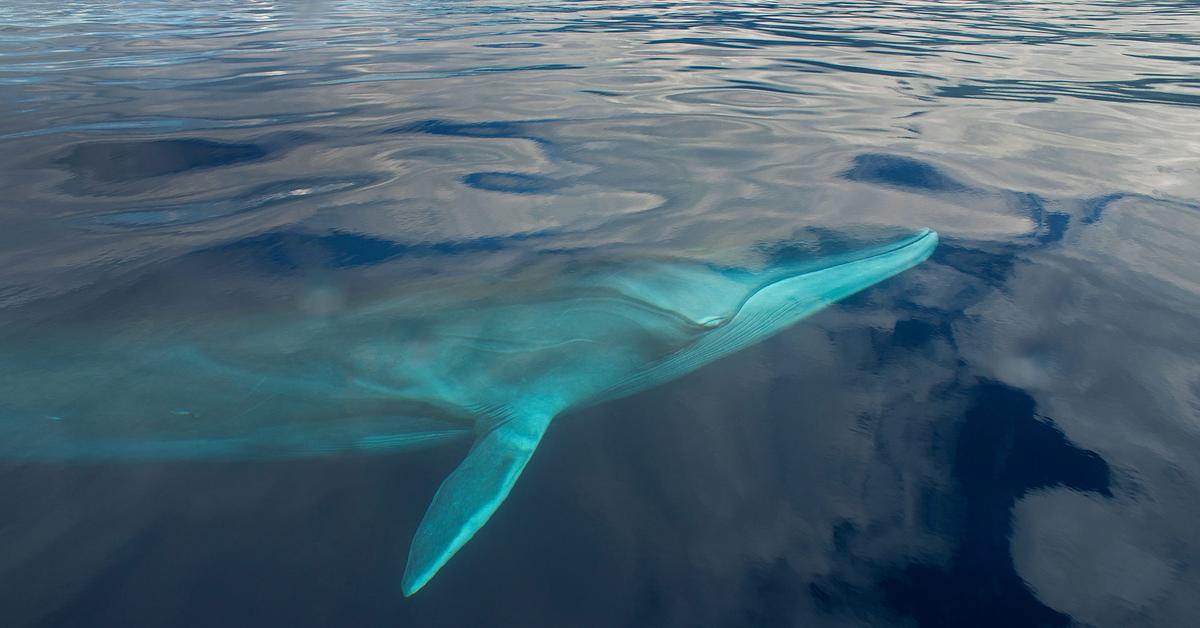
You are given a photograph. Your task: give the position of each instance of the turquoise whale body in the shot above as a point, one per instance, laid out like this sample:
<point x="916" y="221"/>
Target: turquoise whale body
<point x="428" y="365"/>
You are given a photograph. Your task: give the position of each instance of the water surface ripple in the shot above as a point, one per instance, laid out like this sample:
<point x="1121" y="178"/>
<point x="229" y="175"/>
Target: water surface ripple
<point x="1005" y="436"/>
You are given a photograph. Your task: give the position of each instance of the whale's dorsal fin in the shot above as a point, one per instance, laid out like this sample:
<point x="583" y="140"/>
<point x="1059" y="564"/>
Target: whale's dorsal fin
<point x="470" y="494"/>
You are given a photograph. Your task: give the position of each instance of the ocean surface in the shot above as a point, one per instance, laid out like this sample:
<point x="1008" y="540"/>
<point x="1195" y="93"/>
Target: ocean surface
<point x="1007" y="435"/>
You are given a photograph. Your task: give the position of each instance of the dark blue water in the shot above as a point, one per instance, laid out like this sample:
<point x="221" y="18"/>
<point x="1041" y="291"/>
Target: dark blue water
<point x="1007" y="435"/>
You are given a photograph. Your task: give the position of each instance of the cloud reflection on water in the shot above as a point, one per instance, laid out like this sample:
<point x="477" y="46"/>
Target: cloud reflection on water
<point x="1052" y="145"/>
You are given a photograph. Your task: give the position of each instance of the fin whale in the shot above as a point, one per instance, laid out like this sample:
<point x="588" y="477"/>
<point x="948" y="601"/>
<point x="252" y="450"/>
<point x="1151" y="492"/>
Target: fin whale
<point x="415" y="369"/>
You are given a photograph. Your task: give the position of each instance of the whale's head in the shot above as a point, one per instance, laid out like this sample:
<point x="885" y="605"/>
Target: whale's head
<point x="735" y="305"/>
<point x="787" y="291"/>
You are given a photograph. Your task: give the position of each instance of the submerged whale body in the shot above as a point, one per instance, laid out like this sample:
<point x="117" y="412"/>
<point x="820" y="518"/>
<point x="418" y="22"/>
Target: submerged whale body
<point x="415" y="368"/>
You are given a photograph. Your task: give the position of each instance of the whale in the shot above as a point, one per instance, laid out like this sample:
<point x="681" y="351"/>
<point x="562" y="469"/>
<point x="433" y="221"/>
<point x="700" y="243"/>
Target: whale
<point x="171" y="370"/>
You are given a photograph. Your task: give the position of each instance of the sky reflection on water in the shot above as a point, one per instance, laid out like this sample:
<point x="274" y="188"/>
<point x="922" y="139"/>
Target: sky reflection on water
<point x="1006" y="435"/>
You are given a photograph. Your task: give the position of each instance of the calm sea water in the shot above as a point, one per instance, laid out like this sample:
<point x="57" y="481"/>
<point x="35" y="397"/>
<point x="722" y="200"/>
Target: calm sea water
<point x="1007" y="435"/>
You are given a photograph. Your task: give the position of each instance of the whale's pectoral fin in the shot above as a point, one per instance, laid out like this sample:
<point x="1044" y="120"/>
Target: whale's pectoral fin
<point x="469" y="495"/>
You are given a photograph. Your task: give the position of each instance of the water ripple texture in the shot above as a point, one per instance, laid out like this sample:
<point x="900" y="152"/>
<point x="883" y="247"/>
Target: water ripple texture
<point x="1014" y="435"/>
